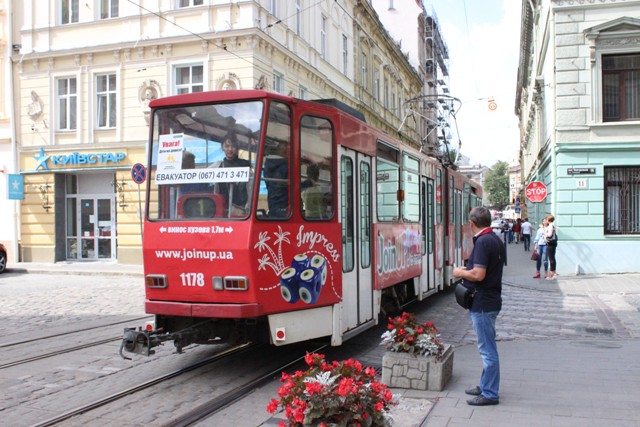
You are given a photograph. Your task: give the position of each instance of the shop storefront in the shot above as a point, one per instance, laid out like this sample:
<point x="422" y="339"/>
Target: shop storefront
<point x="80" y="206"/>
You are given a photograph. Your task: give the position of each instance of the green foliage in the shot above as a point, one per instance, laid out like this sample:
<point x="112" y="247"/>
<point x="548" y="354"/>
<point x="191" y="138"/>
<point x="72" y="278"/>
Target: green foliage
<point x="496" y="184"/>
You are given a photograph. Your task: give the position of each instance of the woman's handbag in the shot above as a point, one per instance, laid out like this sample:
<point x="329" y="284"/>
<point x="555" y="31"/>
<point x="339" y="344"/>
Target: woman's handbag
<point x="534" y="256"/>
<point x="464" y="295"/>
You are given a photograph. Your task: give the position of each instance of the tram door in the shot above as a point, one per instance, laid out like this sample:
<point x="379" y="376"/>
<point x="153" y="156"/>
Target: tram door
<point x="355" y="218"/>
<point x="428" y="279"/>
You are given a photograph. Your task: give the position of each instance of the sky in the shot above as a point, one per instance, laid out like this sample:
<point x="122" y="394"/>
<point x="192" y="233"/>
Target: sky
<point x="483" y="63"/>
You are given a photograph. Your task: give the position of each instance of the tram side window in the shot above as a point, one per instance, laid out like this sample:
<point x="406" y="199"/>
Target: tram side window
<point x="438" y="196"/>
<point x="387" y="183"/>
<point x="467" y="203"/>
<point x="411" y="187"/>
<point x="316" y="168"/>
<point x="275" y="188"/>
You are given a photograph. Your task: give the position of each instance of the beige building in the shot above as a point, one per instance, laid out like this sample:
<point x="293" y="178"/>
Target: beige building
<point x="85" y="72"/>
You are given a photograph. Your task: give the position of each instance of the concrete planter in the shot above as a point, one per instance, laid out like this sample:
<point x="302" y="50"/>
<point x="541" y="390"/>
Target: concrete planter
<point x="404" y="370"/>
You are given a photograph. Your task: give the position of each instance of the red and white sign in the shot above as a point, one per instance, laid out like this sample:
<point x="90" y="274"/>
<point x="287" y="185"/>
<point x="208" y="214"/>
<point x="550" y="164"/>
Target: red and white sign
<point x="536" y="191"/>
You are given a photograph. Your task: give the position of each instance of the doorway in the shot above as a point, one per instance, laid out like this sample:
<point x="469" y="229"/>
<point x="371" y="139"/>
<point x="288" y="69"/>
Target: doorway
<point x="91" y="217"/>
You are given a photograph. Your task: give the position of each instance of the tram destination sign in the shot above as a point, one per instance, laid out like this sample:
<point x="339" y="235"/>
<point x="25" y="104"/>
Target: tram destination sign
<point x="581" y="171"/>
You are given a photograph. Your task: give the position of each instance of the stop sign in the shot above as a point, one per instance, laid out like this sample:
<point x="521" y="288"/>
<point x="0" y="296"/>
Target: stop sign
<point x="536" y="191"/>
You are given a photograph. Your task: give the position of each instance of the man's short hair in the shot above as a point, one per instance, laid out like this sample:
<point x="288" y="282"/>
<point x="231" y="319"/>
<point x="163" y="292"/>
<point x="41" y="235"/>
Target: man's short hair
<point x="481" y="216"/>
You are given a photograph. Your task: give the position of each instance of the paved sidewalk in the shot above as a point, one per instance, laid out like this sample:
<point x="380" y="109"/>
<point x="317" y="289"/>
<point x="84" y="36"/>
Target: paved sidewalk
<point x="569" y="352"/>
<point x="102" y="268"/>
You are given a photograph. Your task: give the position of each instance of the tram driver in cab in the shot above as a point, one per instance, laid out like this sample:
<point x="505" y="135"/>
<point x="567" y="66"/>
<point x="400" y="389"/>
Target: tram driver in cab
<point x="235" y="193"/>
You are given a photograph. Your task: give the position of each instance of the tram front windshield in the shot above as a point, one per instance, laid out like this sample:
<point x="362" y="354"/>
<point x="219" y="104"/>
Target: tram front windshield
<point x="203" y="161"/>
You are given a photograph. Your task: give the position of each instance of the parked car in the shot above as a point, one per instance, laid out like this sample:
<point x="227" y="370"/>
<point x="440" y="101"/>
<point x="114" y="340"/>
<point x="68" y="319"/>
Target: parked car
<point x="3" y="258"/>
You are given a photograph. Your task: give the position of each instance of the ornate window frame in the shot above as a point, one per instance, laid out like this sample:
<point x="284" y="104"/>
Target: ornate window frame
<point x="616" y="37"/>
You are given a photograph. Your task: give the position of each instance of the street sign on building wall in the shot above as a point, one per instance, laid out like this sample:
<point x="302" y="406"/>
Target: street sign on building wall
<point x="536" y="191"/>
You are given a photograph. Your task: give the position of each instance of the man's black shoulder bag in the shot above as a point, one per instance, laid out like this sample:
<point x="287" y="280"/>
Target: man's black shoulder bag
<point x="464" y="295"/>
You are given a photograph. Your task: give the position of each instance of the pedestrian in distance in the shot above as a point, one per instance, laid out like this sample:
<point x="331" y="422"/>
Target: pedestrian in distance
<point x="484" y="273"/>
<point x="540" y="245"/>
<point x="526" y="229"/>
<point x="517" y="230"/>
<point x="552" y="244"/>
<point x="505" y="231"/>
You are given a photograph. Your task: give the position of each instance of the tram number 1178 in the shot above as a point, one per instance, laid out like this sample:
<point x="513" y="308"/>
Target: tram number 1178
<point x="192" y="279"/>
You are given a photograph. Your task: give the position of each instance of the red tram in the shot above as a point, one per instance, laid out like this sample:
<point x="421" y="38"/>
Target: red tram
<point x="269" y="217"/>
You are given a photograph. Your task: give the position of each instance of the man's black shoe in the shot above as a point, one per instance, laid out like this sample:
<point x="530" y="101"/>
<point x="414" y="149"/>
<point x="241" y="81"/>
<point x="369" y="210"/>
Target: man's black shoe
<point x="474" y="391"/>
<point x="482" y="401"/>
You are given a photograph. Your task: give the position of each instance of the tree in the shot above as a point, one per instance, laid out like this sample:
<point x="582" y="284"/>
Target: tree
<point x="496" y="184"/>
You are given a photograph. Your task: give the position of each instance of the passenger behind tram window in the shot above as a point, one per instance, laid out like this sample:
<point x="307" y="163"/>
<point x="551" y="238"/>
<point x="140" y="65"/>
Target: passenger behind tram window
<point x="275" y="171"/>
<point x="312" y="198"/>
<point x="235" y="193"/>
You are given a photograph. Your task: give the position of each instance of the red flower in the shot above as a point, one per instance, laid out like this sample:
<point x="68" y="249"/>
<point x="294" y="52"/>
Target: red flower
<point x="344" y="387"/>
<point x="272" y="406"/>
<point x="313" y="387"/>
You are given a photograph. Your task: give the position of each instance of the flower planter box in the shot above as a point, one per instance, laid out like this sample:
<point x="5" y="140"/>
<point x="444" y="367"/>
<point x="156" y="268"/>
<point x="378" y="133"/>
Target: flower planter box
<point x="404" y="370"/>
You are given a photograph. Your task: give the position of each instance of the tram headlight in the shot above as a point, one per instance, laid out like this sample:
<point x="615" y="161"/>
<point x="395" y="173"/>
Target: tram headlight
<point x="217" y="283"/>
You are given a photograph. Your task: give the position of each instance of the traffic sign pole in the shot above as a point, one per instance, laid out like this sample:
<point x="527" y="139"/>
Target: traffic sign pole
<point x="139" y="175"/>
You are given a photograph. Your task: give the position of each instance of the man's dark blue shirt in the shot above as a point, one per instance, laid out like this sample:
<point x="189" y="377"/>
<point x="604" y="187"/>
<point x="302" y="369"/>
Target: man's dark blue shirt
<point x="490" y="253"/>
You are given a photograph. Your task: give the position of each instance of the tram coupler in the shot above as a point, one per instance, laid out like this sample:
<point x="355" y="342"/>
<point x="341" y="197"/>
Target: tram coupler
<point x="141" y="341"/>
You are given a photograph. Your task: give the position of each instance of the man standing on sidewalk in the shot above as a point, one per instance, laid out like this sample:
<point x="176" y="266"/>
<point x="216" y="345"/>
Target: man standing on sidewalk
<point x="484" y="273"/>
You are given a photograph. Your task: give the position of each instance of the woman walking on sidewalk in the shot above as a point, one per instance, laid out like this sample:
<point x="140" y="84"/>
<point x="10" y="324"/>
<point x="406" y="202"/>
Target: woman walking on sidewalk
<point x="540" y="246"/>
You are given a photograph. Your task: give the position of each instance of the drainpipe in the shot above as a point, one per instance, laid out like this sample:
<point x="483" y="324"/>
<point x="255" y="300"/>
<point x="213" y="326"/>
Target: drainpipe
<point x="15" y="167"/>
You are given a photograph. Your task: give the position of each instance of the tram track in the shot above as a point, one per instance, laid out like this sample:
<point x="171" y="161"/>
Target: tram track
<point x="235" y="351"/>
<point x="65" y="350"/>
<point x="59" y="352"/>
<point x="62" y="334"/>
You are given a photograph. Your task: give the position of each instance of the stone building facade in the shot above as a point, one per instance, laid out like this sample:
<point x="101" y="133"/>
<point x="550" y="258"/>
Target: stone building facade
<point x="578" y="102"/>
